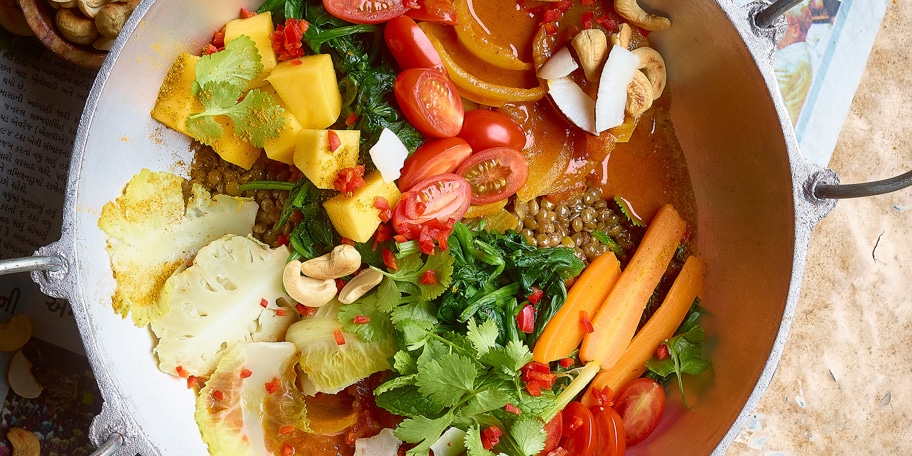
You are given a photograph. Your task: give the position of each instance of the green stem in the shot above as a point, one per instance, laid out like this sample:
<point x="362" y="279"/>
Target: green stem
<point x="586" y="374"/>
<point x="267" y="185"/>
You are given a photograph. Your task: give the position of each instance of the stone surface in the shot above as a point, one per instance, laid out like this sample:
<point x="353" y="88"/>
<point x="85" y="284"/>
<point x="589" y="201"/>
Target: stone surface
<point x="843" y="384"/>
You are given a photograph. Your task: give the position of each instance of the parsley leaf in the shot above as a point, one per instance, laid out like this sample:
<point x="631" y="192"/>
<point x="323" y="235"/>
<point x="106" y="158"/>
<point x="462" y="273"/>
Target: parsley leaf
<point x="685" y="352"/>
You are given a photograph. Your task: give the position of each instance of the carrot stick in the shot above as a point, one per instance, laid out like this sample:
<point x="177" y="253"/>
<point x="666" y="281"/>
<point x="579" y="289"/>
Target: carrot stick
<point x="617" y="319"/>
<point x="563" y="333"/>
<point x="660" y="327"/>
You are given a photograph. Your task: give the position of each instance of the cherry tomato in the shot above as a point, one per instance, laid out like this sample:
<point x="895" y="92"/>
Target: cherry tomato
<point x="483" y="129"/>
<point x="429" y="101"/>
<point x="494" y="174"/>
<point x="441" y="198"/>
<point x="610" y="431"/>
<point x="433" y="158"/>
<point x="441" y="11"/>
<point x="579" y="437"/>
<point x="640" y="404"/>
<point x="410" y="46"/>
<point x="553" y="431"/>
<point x="365" y="11"/>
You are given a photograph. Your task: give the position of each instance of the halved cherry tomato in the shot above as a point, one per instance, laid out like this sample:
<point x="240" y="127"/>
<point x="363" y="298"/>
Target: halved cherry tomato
<point x="553" y="430"/>
<point x="610" y="431"/>
<point x="579" y="437"/>
<point x="410" y="46"/>
<point x="484" y="129"/>
<point x="640" y="404"/>
<point x="494" y="174"/>
<point x="441" y="198"/>
<point x="432" y="159"/>
<point x="429" y="101"/>
<point x="441" y="11"/>
<point x="365" y="11"/>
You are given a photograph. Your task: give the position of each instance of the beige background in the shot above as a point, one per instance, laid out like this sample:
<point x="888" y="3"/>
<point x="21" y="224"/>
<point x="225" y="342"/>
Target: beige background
<point x="844" y="384"/>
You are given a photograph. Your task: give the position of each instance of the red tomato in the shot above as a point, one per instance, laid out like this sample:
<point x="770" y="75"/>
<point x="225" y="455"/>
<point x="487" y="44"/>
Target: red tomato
<point x="484" y="129"/>
<point x="579" y="437"/>
<point x="429" y="101"/>
<point x="433" y="158"/>
<point x="494" y="174"/>
<point x="553" y="431"/>
<point x="410" y="46"/>
<point x="440" y="198"/>
<point x="365" y="11"/>
<point x="610" y="431"/>
<point x="640" y="404"/>
<point x="441" y="11"/>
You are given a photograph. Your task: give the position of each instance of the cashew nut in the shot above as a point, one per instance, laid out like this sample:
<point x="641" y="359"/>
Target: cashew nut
<point x="653" y="65"/>
<point x="591" y="47"/>
<point x="25" y="442"/>
<point x="75" y="27"/>
<point x="360" y="285"/>
<point x="633" y="13"/>
<point x="342" y="261"/>
<point x="15" y="334"/>
<point x="639" y="94"/>
<point x="622" y="37"/>
<point x="307" y="290"/>
<point x="112" y="17"/>
<point x="20" y="377"/>
<point x="91" y="7"/>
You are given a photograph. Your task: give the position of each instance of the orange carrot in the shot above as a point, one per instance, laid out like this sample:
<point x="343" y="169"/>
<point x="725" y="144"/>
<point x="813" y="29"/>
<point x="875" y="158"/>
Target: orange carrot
<point x="563" y="333"/>
<point x="660" y="327"/>
<point x="617" y="318"/>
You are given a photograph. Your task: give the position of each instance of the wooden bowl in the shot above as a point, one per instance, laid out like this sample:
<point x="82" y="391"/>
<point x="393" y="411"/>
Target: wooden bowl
<point x="40" y="17"/>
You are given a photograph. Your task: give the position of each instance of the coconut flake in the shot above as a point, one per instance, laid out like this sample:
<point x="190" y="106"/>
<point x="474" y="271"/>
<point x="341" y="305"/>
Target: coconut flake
<point x="559" y="65"/>
<point x="612" y="92"/>
<point x="389" y="155"/>
<point x="576" y="106"/>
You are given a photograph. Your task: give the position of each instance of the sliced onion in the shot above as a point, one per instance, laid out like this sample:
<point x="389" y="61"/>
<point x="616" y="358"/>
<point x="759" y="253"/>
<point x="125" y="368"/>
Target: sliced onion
<point x="612" y="92"/>
<point x="576" y="106"/>
<point x="389" y="155"/>
<point x="559" y="65"/>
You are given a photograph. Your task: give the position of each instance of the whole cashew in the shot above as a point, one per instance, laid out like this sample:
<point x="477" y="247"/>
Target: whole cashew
<point x="360" y="285"/>
<point x="342" y="261"/>
<point x="633" y="13"/>
<point x="639" y="94"/>
<point x="307" y="290"/>
<point x="653" y="65"/>
<point x="591" y="47"/>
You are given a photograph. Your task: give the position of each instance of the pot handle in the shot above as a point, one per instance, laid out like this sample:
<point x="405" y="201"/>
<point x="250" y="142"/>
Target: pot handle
<point x="767" y="15"/>
<point x="843" y="191"/>
<point x="29" y="264"/>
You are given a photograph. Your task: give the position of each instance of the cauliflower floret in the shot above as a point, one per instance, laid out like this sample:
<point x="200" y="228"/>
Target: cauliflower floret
<point x="150" y="234"/>
<point x="231" y="294"/>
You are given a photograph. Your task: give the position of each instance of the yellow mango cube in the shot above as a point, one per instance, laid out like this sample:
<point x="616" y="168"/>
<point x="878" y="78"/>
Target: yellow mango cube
<point x="258" y="28"/>
<point x="282" y="149"/>
<point x="321" y="165"/>
<point x="175" y="103"/>
<point x="309" y="88"/>
<point x="355" y="216"/>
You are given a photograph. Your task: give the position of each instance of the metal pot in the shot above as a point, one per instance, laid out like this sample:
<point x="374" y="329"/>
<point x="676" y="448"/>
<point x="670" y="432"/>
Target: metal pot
<point x="755" y="195"/>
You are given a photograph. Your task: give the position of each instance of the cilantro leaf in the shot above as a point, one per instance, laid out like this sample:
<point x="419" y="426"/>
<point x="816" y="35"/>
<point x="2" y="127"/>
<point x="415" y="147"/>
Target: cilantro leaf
<point x="378" y="329"/>
<point x="404" y="363"/>
<point x="625" y="209"/>
<point x="236" y="65"/>
<point x="510" y="358"/>
<point x="685" y="352"/>
<point x="529" y="434"/>
<point x="483" y="337"/>
<point x="387" y="295"/>
<point x="407" y="401"/>
<point x="473" y="444"/>
<point x="446" y="379"/>
<point x="423" y="431"/>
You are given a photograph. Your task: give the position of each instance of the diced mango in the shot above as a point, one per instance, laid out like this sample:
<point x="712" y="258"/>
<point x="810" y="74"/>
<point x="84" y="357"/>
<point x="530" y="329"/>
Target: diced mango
<point x="320" y="164"/>
<point x="309" y="88"/>
<point x="355" y="216"/>
<point x="282" y="149"/>
<point x="258" y="28"/>
<point x="175" y="103"/>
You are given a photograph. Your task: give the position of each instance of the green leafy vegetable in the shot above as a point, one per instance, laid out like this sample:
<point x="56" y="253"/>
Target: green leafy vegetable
<point x="685" y="352"/>
<point x="221" y="79"/>
<point x="625" y="209"/>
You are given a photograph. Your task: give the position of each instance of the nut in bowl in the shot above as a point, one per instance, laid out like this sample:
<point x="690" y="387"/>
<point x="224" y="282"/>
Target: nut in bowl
<point x="79" y="31"/>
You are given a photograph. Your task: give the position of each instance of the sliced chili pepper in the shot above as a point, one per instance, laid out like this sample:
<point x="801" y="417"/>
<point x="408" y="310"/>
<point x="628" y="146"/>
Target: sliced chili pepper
<point x="566" y="362"/>
<point x="218" y="395"/>
<point x="429" y="277"/>
<point x="245" y="373"/>
<point x="349" y="179"/>
<point x="526" y="319"/>
<point x="287" y="449"/>
<point x="340" y="339"/>
<point x="246" y="13"/>
<point x="386" y="213"/>
<point x="192" y="381"/>
<point x="361" y="320"/>
<point x="533" y="388"/>
<point x="662" y="352"/>
<point x="264" y="303"/>
<point x="305" y="310"/>
<point x="287" y="429"/>
<point x="389" y="259"/>
<point x="280" y="312"/>
<point x="586" y="322"/>
<point x="351" y="119"/>
<point x="490" y="436"/>
<point x="510" y="408"/>
<point x="181" y="372"/>
<point x="273" y="385"/>
<point x="536" y="295"/>
<point x="333" y="139"/>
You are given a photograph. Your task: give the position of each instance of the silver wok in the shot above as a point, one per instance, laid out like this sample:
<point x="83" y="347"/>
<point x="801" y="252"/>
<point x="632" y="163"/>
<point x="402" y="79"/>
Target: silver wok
<point x="757" y="201"/>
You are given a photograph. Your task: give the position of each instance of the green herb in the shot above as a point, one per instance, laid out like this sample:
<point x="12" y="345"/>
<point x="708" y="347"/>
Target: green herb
<point x="221" y="79"/>
<point x="625" y="209"/>
<point x="612" y="245"/>
<point x="685" y="350"/>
